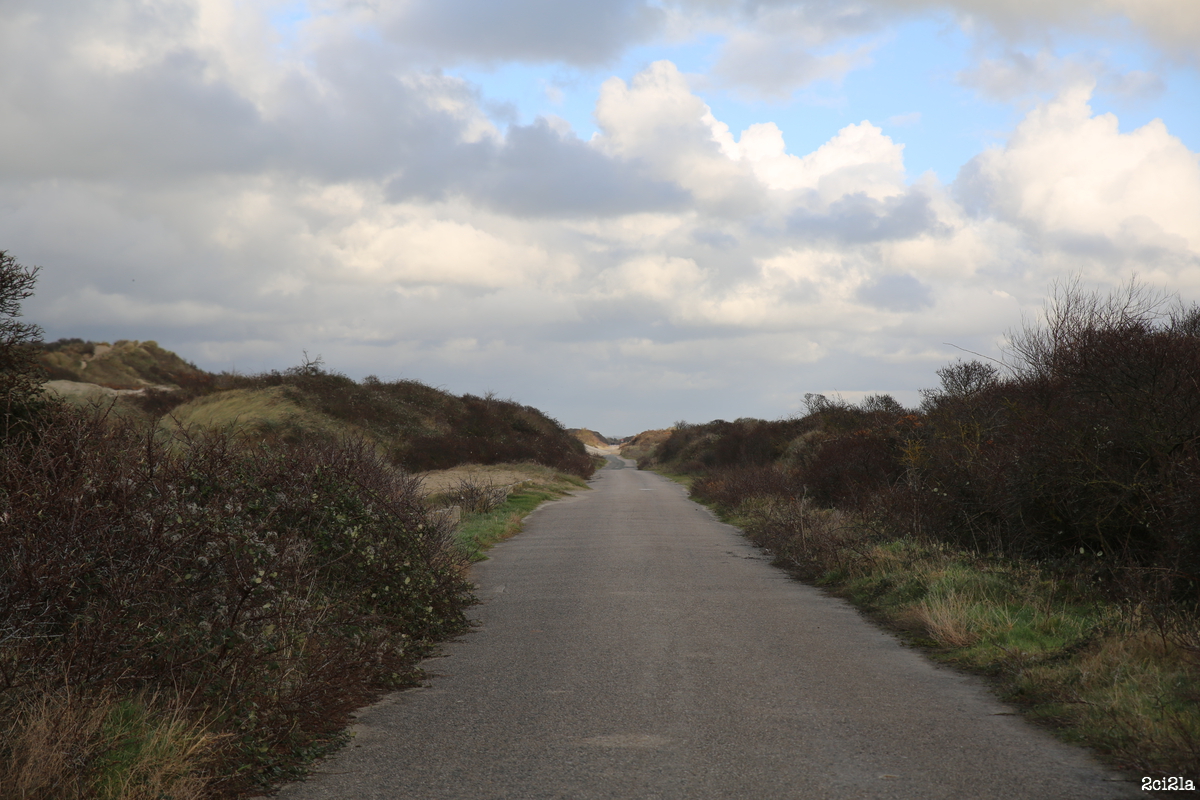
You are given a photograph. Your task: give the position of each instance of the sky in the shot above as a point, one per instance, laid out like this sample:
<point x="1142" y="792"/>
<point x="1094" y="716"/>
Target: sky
<point x="626" y="213"/>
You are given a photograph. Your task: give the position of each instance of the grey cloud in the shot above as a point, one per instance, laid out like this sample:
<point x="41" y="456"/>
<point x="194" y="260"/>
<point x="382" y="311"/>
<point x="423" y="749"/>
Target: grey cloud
<point x="785" y="46"/>
<point x="538" y="172"/>
<point x="896" y="293"/>
<point x="356" y="113"/>
<point x="167" y="117"/>
<point x="356" y="109"/>
<point x="974" y="189"/>
<point x="1133" y="88"/>
<point x="582" y="32"/>
<point x="775" y="67"/>
<point x="860" y="219"/>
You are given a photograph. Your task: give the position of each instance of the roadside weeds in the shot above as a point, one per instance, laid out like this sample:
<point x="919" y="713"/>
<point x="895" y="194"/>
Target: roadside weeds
<point x="490" y="513"/>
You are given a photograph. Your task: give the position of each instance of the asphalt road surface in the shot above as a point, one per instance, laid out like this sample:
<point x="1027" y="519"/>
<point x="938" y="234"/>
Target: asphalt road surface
<point x="630" y="646"/>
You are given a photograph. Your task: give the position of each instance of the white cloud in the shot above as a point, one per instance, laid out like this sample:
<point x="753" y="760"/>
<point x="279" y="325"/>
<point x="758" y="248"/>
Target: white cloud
<point x="858" y="160"/>
<point x="658" y="121"/>
<point x="1071" y="175"/>
<point x="182" y="178"/>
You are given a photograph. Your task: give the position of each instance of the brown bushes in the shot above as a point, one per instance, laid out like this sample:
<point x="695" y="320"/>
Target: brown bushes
<point x="486" y="430"/>
<point x="276" y="588"/>
<point x="1087" y="453"/>
<point x="428" y="428"/>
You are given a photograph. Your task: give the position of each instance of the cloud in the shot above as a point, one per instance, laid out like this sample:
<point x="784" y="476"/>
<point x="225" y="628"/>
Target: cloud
<point x="183" y="177"/>
<point x="858" y="218"/>
<point x="537" y="171"/>
<point x="1068" y="174"/>
<point x="657" y="120"/>
<point x="859" y="159"/>
<point x="774" y="65"/>
<point x="905" y="120"/>
<point x="1172" y="25"/>
<point x="1015" y="75"/>
<point x="896" y="293"/>
<point x="578" y="32"/>
<point x="161" y="102"/>
<point x="1134" y="87"/>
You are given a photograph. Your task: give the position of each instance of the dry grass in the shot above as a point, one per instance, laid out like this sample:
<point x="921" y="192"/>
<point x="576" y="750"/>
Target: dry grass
<point x="479" y="531"/>
<point x="269" y="413"/>
<point x="946" y="618"/>
<point x="1119" y="679"/>
<point x="440" y="481"/>
<point x="61" y="746"/>
<point x="122" y="365"/>
<point x="589" y="437"/>
<point x="645" y="444"/>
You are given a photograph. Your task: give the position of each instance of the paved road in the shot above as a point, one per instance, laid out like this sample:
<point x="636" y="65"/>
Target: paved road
<point x="631" y="646"/>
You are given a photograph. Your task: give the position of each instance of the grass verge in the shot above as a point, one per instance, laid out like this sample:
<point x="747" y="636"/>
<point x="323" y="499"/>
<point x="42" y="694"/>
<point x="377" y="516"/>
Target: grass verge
<point x="479" y="531"/>
<point x="1108" y="676"/>
<point x="1122" y="679"/>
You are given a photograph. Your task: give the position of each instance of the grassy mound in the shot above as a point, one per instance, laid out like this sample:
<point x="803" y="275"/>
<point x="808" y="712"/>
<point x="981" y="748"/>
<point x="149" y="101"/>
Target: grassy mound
<point x="416" y="427"/>
<point x="412" y="425"/>
<point x="122" y="365"/>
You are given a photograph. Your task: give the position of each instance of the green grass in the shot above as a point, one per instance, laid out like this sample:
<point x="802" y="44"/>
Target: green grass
<point x="1122" y="679"/>
<point x="478" y="532"/>
<point x="1102" y="675"/>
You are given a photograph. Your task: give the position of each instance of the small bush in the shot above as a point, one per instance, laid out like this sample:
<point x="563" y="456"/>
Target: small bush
<point x="476" y="496"/>
<point x="20" y="377"/>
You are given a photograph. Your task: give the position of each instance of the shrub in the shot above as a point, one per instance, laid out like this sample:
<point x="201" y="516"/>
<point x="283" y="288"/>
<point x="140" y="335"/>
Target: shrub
<point x="1089" y="446"/>
<point x="278" y="587"/>
<point x="20" y="377"/>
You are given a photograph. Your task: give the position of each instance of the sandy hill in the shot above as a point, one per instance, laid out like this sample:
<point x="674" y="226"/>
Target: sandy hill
<point x="588" y="437"/>
<point x="122" y="365"/>
<point x="645" y="443"/>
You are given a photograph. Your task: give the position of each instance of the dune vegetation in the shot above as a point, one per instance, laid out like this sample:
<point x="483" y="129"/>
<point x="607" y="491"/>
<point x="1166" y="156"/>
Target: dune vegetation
<point x="1036" y="520"/>
<point x="202" y="576"/>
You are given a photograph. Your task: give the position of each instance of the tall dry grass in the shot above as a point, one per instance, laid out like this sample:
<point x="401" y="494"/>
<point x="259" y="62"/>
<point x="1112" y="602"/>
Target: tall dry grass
<point x="66" y="746"/>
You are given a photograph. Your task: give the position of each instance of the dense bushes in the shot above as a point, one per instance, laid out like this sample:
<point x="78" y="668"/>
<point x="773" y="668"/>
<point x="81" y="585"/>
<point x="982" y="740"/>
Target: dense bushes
<point x="1084" y="450"/>
<point x="486" y="430"/>
<point x="185" y="611"/>
<point x="20" y="380"/>
<point x="271" y="590"/>
<point x="1088" y="446"/>
<point x="419" y="427"/>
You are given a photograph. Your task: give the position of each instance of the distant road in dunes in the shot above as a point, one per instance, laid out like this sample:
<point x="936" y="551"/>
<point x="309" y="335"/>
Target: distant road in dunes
<point x="631" y="646"/>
